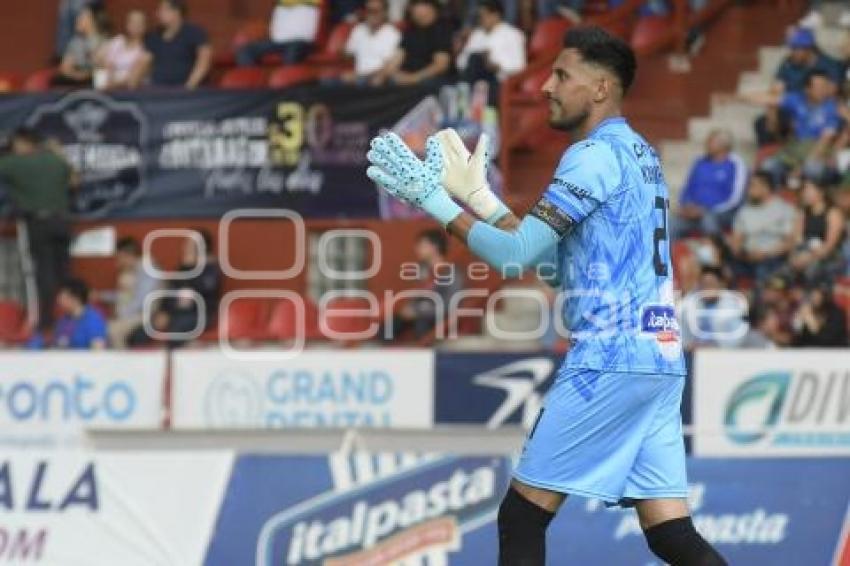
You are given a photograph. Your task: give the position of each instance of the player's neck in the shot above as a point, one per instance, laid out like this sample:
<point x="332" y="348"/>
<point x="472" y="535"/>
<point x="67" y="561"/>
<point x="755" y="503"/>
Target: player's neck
<point x="584" y="130"/>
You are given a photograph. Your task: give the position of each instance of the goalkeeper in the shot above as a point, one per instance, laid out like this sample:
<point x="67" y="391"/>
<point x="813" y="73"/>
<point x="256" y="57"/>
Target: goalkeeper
<point x="610" y="427"/>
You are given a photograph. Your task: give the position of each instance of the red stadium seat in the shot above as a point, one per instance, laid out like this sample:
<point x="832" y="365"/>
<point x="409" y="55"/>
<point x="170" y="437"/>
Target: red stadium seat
<point x="531" y="86"/>
<point x="649" y="31"/>
<point x="12" y="322"/>
<point x="244" y="319"/>
<point x="39" y="81"/>
<point x="548" y="36"/>
<point x="254" y="30"/>
<point x="244" y="77"/>
<point x="339" y="321"/>
<point x="9" y="82"/>
<point x="283" y="323"/>
<point x="292" y="75"/>
<point x="334" y="48"/>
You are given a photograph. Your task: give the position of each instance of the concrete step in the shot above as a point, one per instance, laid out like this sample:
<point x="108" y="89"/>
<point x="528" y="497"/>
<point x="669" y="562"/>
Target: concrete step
<point x="699" y="128"/>
<point x="831" y="40"/>
<point x="770" y="58"/>
<point x="733" y="112"/>
<point x="751" y="81"/>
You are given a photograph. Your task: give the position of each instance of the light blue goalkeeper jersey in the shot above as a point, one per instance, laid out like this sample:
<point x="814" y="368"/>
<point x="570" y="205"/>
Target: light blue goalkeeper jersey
<point x="618" y="301"/>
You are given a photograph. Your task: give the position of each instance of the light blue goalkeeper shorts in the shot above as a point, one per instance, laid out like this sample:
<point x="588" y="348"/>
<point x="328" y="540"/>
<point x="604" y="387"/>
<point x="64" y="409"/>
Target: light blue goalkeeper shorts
<point x="610" y="436"/>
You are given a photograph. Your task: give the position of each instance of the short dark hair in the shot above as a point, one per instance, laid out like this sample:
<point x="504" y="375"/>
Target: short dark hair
<point x="814" y="73"/>
<point x="27" y="134"/>
<point x="437" y="238"/>
<point x="766" y="178"/>
<point x="494" y="6"/>
<point x="599" y="47"/>
<point x="179" y="5"/>
<point x="713" y="270"/>
<point x="77" y="288"/>
<point x="129" y="245"/>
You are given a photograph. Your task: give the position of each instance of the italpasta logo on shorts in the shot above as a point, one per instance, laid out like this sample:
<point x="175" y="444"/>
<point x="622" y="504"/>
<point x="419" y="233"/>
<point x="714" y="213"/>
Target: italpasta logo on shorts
<point x="808" y="408"/>
<point x="407" y="515"/>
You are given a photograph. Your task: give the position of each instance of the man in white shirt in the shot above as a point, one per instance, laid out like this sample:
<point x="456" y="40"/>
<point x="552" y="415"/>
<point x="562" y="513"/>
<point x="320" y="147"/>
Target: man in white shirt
<point x="372" y="43"/>
<point x="495" y="50"/>
<point x="292" y="33"/>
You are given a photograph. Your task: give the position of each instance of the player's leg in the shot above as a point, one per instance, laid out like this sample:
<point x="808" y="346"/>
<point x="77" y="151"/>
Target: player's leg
<point x="671" y="535"/>
<point x="658" y="485"/>
<point x="524" y="516"/>
<point x="584" y="442"/>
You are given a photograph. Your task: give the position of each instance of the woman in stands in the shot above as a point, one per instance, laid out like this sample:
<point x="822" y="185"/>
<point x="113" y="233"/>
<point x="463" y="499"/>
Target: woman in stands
<point x="818" y="236"/>
<point x="119" y="60"/>
<point x="77" y="66"/>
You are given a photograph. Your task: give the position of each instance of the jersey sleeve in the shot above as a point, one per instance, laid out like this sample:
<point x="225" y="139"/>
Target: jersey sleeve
<point x="586" y="177"/>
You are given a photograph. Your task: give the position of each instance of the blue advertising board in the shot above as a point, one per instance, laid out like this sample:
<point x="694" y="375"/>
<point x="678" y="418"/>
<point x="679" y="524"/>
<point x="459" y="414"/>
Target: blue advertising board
<point x="372" y="509"/>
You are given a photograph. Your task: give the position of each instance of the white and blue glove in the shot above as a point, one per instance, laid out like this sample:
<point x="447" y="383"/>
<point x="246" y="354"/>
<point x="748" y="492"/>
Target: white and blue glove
<point x="398" y="171"/>
<point x="465" y="175"/>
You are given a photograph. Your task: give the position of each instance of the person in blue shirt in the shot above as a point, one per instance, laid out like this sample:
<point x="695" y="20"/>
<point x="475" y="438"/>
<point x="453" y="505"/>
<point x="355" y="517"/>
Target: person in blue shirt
<point x="714" y="189"/>
<point x="803" y="58"/>
<point x="80" y="327"/>
<point x="815" y="123"/>
<point x="610" y="427"/>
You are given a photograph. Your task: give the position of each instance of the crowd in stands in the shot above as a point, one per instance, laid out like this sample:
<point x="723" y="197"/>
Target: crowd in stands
<point x="784" y="242"/>
<point x="388" y="42"/>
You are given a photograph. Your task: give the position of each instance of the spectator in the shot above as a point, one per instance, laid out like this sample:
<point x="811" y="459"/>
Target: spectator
<point x="569" y="9"/>
<point x="372" y="43"/>
<point x="425" y="51"/>
<point x="713" y="316"/>
<point x="495" y="50"/>
<point x="77" y="66"/>
<point x="134" y="283"/>
<point x="762" y="231"/>
<point x="193" y="302"/>
<point x="714" y="189"/>
<point x="818" y="234"/>
<point x="819" y="322"/>
<point x="803" y="58"/>
<point x="762" y="325"/>
<point x="292" y="33"/>
<point x="38" y="180"/>
<point x="815" y="122"/>
<point x="178" y="54"/>
<point x="66" y="23"/>
<point x="120" y="61"/>
<point x="776" y="304"/>
<point x="419" y="315"/>
<point x="81" y="326"/>
<point x="842" y="202"/>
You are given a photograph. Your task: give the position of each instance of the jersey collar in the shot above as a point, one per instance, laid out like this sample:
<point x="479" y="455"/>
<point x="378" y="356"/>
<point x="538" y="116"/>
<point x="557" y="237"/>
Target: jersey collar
<point x="614" y="120"/>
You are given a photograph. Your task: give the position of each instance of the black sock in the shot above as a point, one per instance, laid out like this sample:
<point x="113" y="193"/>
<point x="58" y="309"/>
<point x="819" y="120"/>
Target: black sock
<point x="678" y="543"/>
<point x="522" y="531"/>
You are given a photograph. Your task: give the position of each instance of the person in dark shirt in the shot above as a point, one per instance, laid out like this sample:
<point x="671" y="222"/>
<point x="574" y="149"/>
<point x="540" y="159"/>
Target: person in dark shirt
<point x="38" y="180"/>
<point x="819" y="322"/>
<point x="191" y="304"/>
<point x="178" y="54"/>
<point x="81" y="326"/>
<point x="803" y="58"/>
<point x="425" y="51"/>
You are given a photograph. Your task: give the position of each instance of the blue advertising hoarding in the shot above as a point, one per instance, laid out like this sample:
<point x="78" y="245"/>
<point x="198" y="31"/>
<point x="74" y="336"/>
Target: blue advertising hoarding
<point x="382" y="508"/>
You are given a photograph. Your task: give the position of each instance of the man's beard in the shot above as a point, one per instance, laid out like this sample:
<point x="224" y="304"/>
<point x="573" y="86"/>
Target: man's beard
<point x="569" y="123"/>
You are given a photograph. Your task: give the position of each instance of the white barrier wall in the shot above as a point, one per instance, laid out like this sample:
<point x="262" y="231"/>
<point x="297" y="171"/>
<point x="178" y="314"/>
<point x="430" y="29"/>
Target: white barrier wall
<point x="48" y="399"/>
<point x="339" y="389"/>
<point x="772" y="403"/>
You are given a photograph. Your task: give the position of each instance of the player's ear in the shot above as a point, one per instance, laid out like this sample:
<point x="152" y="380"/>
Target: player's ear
<point x="604" y="89"/>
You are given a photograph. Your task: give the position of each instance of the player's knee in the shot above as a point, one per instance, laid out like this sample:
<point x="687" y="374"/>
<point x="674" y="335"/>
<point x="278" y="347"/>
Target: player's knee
<point x="522" y="531"/>
<point x="678" y="543"/>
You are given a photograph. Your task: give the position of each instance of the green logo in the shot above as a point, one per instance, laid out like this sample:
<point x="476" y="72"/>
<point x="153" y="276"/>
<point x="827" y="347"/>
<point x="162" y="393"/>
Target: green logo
<point x="755" y="407"/>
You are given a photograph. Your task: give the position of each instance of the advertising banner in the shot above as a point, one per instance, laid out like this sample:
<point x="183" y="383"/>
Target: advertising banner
<point x="790" y="403"/>
<point x="108" y="509"/>
<point x="326" y="389"/>
<point x="180" y="153"/>
<point x="492" y="389"/>
<point x="48" y="399"/>
<point x="376" y="509"/>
